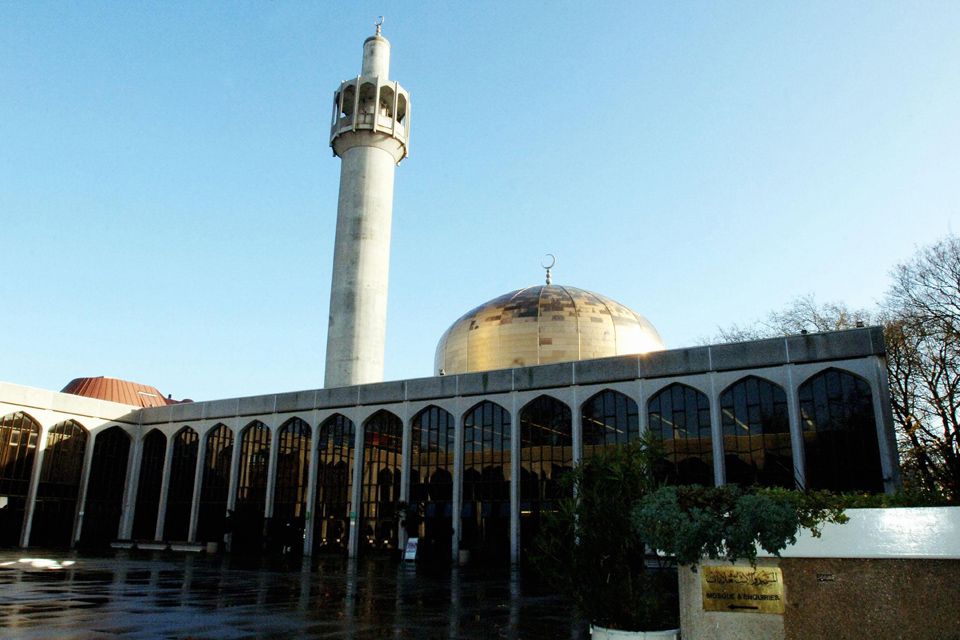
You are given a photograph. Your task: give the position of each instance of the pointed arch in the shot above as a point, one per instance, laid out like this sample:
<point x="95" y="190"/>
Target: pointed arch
<point x="215" y="484"/>
<point x="487" y="461"/>
<point x="335" y="460"/>
<point x="546" y="453"/>
<point x="148" y="489"/>
<point x="19" y="434"/>
<point x="290" y="492"/>
<point x="183" y="471"/>
<point x="756" y="433"/>
<point x="679" y="417"/>
<point x="431" y="479"/>
<point x="252" y="471"/>
<point x="57" y="493"/>
<point x="104" y="502"/>
<point x="382" y="449"/>
<point x="841" y="447"/>
<point x="608" y="418"/>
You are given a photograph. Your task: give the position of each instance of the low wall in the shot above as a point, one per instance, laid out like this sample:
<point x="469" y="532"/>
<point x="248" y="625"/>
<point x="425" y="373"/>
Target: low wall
<point x="888" y="573"/>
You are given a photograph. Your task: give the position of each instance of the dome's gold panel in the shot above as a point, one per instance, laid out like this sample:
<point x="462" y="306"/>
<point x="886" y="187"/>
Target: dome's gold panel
<point x="540" y="325"/>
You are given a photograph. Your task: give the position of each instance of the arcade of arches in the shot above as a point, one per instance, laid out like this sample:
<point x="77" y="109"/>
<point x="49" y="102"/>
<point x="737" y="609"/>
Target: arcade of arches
<point x="482" y="478"/>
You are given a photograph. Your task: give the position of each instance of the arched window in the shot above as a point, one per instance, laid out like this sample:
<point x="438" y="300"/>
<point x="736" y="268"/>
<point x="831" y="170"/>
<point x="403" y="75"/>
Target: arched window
<point x="293" y="466"/>
<point x="59" y="488"/>
<point x="546" y="452"/>
<point x="431" y="479"/>
<point x="346" y="102"/>
<point x="183" y="471"/>
<point x="756" y="434"/>
<point x="386" y="101"/>
<point x="382" y="447"/>
<point x="18" y="448"/>
<point x="251" y="488"/>
<point x="679" y="416"/>
<point x="148" y="489"/>
<point x="215" y="485"/>
<point x="368" y="104"/>
<point x="485" y="520"/>
<point x="334" y="484"/>
<point x="108" y="474"/>
<point x="608" y="419"/>
<point x="840" y="433"/>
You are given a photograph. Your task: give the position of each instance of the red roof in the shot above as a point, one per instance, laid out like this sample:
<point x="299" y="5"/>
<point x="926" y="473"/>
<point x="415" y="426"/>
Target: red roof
<point x="121" y="391"/>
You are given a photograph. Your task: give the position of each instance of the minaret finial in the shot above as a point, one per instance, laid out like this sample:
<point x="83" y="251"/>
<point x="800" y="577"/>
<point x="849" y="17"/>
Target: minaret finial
<point x="379" y="23"/>
<point x="553" y="262"/>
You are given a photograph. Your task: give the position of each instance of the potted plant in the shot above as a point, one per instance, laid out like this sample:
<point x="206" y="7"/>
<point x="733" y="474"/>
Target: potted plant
<point x="588" y="550"/>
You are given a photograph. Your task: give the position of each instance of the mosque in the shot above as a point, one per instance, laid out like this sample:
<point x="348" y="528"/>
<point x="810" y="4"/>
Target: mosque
<point x="524" y="387"/>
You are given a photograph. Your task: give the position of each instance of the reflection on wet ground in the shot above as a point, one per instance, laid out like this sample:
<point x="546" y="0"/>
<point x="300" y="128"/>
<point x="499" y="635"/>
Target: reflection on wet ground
<point x="171" y="596"/>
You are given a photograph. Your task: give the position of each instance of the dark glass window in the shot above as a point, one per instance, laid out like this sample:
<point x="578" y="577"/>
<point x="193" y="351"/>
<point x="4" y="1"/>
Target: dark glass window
<point x="248" y="517"/>
<point x="485" y="520"/>
<point x="679" y="416"/>
<point x="18" y="448"/>
<point x="546" y="453"/>
<point x="148" y="489"/>
<point x="290" y="493"/>
<point x="380" y="490"/>
<point x="183" y="471"/>
<point x="608" y="419"/>
<point x="840" y="433"/>
<point x="59" y="488"/>
<point x="431" y="480"/>
<point x="756" y="434"/>
<point x="215" y="485"/>
<point x="108" y="473"/>
<point x="334" y="484"/>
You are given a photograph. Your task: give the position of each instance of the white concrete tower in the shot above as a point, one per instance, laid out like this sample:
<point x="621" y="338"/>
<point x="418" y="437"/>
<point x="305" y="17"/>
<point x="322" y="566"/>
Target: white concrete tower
<point x="370" y="133"/>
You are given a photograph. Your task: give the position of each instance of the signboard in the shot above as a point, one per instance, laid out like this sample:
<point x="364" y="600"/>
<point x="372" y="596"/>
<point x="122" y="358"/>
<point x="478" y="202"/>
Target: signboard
<point x="410" y="553"/>
<point x="742" y="589"/>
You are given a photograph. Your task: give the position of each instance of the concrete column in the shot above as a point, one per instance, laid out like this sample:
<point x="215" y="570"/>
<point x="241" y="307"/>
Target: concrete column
<point x="457" y="506"/>
<point x="796" y="431"/>
<point x="886" y="433"/>
<point x="356" y="492"/>
<point x="32" y="490"/>
<point x="716" y="433"/>
<point x="132" y="484"/>
<point x="234" y="481"/>
<point x="164" y="488"/>
<point x="310" y="526"/>
<point x="84" y="484"/>
<point x="272" y="473"/>
<point x="406" y="456"/>
<point x="515" y="463"/>
<point x="576" y="428"/>
<point x="197" y="486"/>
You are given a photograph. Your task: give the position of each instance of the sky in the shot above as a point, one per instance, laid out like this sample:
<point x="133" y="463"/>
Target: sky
<point x="168" y="195"/>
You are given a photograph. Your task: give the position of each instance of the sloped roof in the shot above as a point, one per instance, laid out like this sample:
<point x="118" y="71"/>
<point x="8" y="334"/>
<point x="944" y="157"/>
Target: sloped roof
<point x="114" y="390"/>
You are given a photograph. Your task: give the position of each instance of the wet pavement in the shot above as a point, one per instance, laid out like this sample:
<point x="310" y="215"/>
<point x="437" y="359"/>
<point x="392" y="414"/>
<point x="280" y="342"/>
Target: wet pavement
<point x="140" y="595"/>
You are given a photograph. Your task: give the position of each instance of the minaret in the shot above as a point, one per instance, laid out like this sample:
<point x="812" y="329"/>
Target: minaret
<point x="370" y="134"/>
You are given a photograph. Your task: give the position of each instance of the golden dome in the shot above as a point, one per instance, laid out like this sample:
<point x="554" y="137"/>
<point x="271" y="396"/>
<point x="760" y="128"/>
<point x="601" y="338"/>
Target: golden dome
<point x="540" y="325"/>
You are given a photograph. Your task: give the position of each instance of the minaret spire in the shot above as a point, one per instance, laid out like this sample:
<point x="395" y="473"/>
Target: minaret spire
<point x="370" y="134"/>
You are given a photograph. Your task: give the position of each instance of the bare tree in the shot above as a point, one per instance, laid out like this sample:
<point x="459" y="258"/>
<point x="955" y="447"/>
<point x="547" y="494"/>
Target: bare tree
<point x="922" y="336"/>
<point x="802" y="314"/>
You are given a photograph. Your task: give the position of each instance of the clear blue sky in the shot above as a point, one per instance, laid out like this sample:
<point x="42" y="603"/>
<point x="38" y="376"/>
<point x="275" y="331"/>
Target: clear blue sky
<point x="168" y="195"/>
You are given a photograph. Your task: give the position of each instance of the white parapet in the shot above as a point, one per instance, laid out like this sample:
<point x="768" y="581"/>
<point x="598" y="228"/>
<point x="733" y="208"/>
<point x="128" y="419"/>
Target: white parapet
<point x="919" y="532"/>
